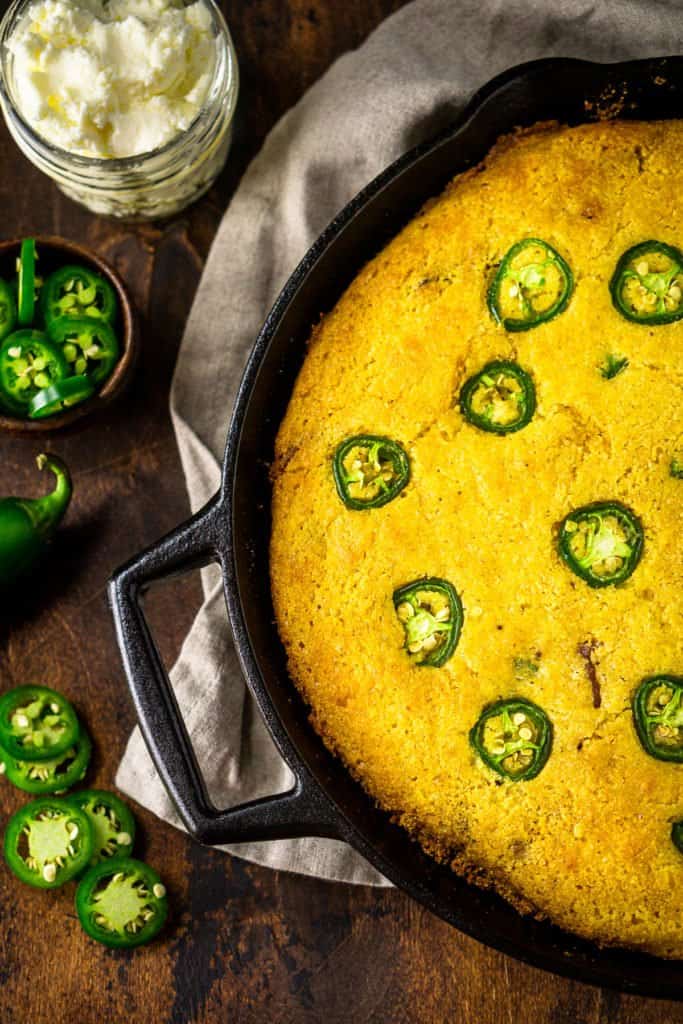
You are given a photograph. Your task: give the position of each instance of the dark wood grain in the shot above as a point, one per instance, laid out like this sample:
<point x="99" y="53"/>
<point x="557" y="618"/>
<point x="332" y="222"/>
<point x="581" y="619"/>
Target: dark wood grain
<point x="245" y="944"/>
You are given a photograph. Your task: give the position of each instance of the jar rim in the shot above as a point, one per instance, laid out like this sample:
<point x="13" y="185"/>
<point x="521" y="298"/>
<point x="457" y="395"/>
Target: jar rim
<point x="227" y="66"/>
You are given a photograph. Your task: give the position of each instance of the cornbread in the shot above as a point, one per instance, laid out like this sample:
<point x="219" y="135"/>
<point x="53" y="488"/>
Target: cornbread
<point x="587" y="841"/>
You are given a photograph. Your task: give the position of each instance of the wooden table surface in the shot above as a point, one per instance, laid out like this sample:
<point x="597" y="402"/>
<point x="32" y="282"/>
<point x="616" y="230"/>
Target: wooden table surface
<point x="244" y="944"/>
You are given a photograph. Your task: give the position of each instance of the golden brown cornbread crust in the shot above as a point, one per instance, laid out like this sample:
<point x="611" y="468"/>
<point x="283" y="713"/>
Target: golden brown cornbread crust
<point x="587" y="842"/>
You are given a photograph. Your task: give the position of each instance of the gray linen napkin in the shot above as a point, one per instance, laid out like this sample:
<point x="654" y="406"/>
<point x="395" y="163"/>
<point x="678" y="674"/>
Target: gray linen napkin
<point x="409" y="79"/>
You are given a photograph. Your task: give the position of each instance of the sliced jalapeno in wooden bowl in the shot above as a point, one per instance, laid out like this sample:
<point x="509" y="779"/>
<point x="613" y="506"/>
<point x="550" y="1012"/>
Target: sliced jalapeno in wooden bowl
<point x="500" y="398"/>
<point x="77" y="291"/>
<point x="514" y="738"/>
<point x="601" y="543"/>
<point x="112" y="822"/>
<point x="63" y="394"/>
<point x="431" y="614"/>
<point x="369" y="471"/>
<point x="91" y="291"/>
<point x="647" y="285"/>
<point x="121" y="902"/>
<point x="26" y="286"/>
<point x="658" y="717"/>
<point x="531" y="286"/>
<point x="29" y="362"/>
<point x="37" y="723"/>
<point x="55" y="775"/>
<point x="48" y="842"/>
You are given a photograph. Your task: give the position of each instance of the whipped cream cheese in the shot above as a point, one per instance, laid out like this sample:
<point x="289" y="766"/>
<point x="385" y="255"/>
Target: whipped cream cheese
<point x="111" y="78"/>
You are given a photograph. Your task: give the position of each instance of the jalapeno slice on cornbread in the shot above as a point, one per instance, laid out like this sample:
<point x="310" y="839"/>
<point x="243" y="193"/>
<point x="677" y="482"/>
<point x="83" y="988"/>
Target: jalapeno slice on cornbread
<point x="431" y="614"/>
<point x="500" y="398"/>
<point x="601" y="543"/>
<point x="658" y="716"/>
<point x="647" y="285"/>
<point x="514" y="738"/>
<point x="531" y="286"/>
<point x="369" y="471"/>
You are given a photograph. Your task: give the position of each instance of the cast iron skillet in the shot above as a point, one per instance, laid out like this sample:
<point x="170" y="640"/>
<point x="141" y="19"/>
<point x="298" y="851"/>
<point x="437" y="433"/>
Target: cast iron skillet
<point x="234" y="529"/>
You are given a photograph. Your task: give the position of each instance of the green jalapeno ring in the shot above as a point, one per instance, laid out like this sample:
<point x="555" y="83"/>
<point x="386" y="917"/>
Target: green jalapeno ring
<point x="611" y="536"/>
<point x="56" y="775"/>
<point x="526" y="283"/>
<point x="89" y="346"/>
<point x="26" y="301"/>
<point x="29" y="362"/>
<point x="8" y="310"/>
<point x="431" y="613"/>
<point x="61" y="395"/>
<point x="662" y="289"/>
<point x="493" y="389"/>
<point x="521" y="744"/>
<point x="658" y="717"/>
<point x="76" y="291"/>
<point x="677" y="835"/>
<point x="373" y="464"/>
<point x="121" y="902"/>
<point x="37" y="723"/>
<point x="47" y="842"/>
<point x="112" y="822"/>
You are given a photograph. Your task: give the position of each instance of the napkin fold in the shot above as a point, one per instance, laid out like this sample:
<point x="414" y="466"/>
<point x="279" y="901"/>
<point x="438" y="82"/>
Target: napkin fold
<point x="408" y="80"/>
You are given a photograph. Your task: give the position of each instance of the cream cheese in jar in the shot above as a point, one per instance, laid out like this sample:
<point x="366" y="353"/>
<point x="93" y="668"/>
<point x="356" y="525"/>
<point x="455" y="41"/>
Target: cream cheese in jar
<point x="112" y="79"/>
<point x="126" y="104"/>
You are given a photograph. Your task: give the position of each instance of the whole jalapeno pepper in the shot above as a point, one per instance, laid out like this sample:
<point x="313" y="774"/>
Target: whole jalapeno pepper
<point x="431" y="614"/>
<point x="531" y="286"/>
<point x="369" y="471"/>
<point x="658" y="717"/>
<point x="500" y="398"/>
<point x="647" y="285"/>
<point x="601" y="543"/>
<point x="28" y="524"/>
<point x="514" y="738"/>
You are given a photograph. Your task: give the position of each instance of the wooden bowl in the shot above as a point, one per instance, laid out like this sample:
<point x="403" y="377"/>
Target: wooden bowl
<point x="53" y="253"/>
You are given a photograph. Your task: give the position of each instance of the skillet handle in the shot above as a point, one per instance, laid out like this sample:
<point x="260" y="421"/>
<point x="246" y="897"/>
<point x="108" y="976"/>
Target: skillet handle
<point x="303" y="810"/>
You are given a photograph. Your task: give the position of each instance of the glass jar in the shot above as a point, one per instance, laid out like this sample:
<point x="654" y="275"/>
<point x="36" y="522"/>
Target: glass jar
<point x="150" y="185"/>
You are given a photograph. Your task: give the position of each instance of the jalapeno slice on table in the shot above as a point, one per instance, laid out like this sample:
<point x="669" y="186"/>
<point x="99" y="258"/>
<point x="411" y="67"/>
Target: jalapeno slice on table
<point x="48" y="842"/>
<point x="61" y="395"/>
<point x="29" y="362"/>
<point x="77" y="292"/>
<point x="121" y="902"/>
<point x="531" y="286"/>
<point x="431" y="614"/>
<point x="514" y="738"/>
<point x="369" y="471"/>
<point x="601" y="543"/>
<point x="8" y="310"/>
<point x="36" y="723"/>
<point x="647" y="285"/>
<point x="55" y="775"/>
<point x="500" y="398"/>
<point x="112" y="823"/>
<point x="658" y="716"/>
